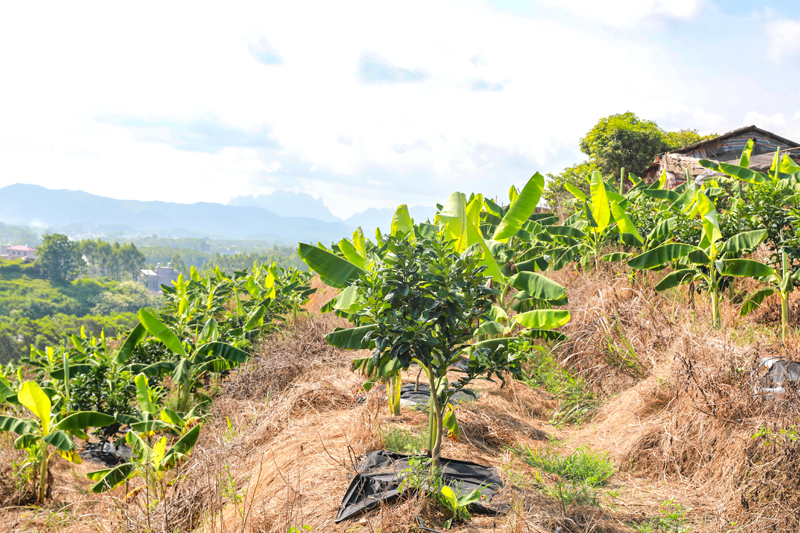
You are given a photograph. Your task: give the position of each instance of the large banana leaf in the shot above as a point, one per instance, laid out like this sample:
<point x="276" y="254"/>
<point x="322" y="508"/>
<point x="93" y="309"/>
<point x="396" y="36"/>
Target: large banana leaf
<point x="744" y="174"/>
<point x="565" y="231"/>
<point x="661" y="194"/>
<point x="134" y="337"/>
<point x="748" y="240"/>
<point x="61" y="440"/>
<point x="744" y="160"/>
<point x="521" y="208"/>
<point x="224" y="350"/>
<point x="624" y="222"/>
<point x="20" y="426"/>
<point x="350" y="338"/>
<point x="747" y="268"/>
<point x="454" y="215"/>
<point x="85" y="419"/>
<point x="34" y="398"/>
<point x="351" y="253"/>
<point x="538" y="286"/>
<point x="401" y="222"/>
<point x="601" y="213"/>
<point x="254" y="318"/>
<point x="332" y="269"/>
<point x="109" y="478"/>
<point x="543" y="318"/>
<point x="660" y="256"/>
<point x="664" y="228"/>
<point x="676" y="278"/>
<point x="754" y="300"/>
<point x="576" y="192"/>
<point x="488" y="260"/>
<point x="349" y="300"/>
<point x="144" y="395"/>
<point x="181" y="448"/>
<point x="489" y="327"/>
<point x="160" y="331"/>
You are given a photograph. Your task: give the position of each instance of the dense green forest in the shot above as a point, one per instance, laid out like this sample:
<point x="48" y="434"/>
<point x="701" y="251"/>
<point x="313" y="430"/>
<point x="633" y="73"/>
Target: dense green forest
<point x="94" y="284"/>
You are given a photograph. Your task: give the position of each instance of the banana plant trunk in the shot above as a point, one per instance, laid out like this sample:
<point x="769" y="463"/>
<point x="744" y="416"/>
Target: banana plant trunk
<point x="393" y="387"/>
<point x="43" y="475"/>
<point x="715" y="317"/>
<point x="435" y="423"/>
<point x="784" y="316"/>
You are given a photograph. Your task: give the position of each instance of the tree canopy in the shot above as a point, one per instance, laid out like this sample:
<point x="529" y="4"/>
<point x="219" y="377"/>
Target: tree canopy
<point x="617" y="142"/>
<point x="59" y="258"/>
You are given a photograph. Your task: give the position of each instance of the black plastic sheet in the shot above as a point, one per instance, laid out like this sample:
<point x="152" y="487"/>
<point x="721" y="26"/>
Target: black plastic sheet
<point x="421" y="396"/>
<point x="379" y="477"/>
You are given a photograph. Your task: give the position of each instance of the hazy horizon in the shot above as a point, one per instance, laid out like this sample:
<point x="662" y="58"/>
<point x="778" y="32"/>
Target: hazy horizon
<point x="399" y="105"/>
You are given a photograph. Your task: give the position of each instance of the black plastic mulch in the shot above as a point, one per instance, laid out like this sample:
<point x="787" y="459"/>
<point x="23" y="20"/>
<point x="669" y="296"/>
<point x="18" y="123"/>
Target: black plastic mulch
<point x="378" y="481"/>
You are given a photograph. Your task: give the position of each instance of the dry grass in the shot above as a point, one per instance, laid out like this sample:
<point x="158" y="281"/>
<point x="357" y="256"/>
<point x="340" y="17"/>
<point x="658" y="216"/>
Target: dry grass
<point x="677" y="415"/>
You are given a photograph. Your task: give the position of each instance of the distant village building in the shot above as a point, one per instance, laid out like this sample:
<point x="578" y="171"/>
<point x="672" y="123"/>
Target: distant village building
<point x="163" y="275"/>
<point x="18" y="252"/>
<point x="726" y="148"/>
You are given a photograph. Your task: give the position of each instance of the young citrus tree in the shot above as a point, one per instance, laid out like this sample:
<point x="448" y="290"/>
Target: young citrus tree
<point x="421" y="304"/>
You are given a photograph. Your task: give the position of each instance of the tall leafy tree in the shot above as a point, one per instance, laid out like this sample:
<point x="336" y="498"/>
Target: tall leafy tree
<point x="59" y="258"/>
<point x="624" y="141"/>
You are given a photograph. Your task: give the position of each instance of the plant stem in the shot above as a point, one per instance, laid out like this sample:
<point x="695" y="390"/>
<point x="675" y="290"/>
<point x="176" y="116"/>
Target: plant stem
<point x="43" y="474"/>
<point x="715" y="307"/>
<point x="435" y="420"/>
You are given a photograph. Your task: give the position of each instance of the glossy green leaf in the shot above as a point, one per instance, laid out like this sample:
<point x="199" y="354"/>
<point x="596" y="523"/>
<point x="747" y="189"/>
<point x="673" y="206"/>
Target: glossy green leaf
<point x="699" y="257"/>
<point x="332" y="269"/>
<point x="144" y="394"/>
<point x="351" y="253"/>
<point x="521" y="208"/>
<point x="20" y="426"/>
<point x="181" y="448"/>
<point x="538" y="286"/>
<point x="661" y="194"/>
<point x="160" y="331"/>
<point x="350" y="338"/>
<point x="565" y="231"/>
<point x="61" y="440"/>
<point x="601" y="213"/>
<point x="489" y="328"/>
<point x="746" y="241"/>
<point x="744" y="160"/>
<point x="34" y="398"/>
<point x="454" y="216"/>
<point x="110" y="478"/>
<point x="676" y="278"/>
<point x="136" y="335"/>
<point x="82" y="420"/>
<point x="254" y="318"/>
<point x="401" y="221"/>
<point x="537" y="264"/>
<point x="747" y="268"/>
<point x="624" y="222"/>
<point x="744" y="174"/>
<point x="543" y="318"/>
<point x="754" y="300"/>
<point x="660" y="256"/>
<point x="576" y="192"/>
<point x="224" y="350"/>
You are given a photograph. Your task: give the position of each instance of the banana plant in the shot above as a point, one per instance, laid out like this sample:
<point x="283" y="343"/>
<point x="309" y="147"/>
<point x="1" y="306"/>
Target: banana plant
<point x="584" y="234"/>
<point x="151" y="463"/>
<point x="49" y="426"/>
<point x="784" y="176"/>
<point x="207" y="356"/>
<point x="710" y="261"/>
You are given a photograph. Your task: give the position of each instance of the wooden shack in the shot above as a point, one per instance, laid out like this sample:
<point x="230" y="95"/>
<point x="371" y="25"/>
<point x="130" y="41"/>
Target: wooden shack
<point x="725" y="148"/>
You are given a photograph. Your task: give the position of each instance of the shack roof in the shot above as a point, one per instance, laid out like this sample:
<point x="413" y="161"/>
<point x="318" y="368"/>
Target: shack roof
<point x="734" y="133"/>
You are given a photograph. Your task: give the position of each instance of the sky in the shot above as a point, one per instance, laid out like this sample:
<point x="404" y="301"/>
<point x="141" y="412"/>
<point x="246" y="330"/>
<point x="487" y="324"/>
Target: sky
<point x="369" y="104"/>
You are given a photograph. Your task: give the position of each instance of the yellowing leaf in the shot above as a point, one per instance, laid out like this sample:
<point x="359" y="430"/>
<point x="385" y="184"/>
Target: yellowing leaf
<point x="33" y="397"/>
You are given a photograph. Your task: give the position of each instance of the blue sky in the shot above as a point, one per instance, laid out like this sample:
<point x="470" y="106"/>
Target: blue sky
<point x="368" y="104"/>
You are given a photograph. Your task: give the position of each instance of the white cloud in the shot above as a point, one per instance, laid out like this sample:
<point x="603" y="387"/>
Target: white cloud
<point x="626" y="13"/>
<point x="262" y="96"/>
<point x="777" y="123"/>
<point x="784" y="39"/>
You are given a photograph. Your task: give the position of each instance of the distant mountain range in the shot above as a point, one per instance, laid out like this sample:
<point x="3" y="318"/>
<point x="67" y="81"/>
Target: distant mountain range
<point x="281" y="216"/>
<point x="291" y="204"/>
